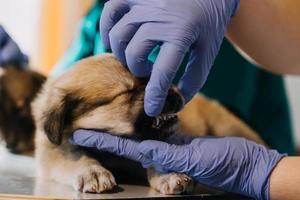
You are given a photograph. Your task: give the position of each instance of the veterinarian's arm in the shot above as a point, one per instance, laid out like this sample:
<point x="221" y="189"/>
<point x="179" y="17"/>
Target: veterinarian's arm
<point x="131" y="29"/>
<point x="285" y="179"/>
<point x="10" y="52"/>
<point x="269" y="31"/>
<point x="231" y="164"/>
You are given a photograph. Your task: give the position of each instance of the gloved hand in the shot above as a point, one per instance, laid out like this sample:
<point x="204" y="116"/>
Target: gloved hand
<point x="132" y="28"/>
<point x="231" y="164"/>
<point x="10" y="53"/>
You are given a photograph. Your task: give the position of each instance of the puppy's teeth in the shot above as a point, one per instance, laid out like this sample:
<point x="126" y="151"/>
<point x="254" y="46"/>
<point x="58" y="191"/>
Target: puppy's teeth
<point x="160" y="120"/>
<point x="156" y="122"/>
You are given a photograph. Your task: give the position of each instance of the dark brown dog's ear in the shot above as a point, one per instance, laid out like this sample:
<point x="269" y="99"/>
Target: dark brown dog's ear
<point x="58" y="119"/>
<point x="38" y="79"/>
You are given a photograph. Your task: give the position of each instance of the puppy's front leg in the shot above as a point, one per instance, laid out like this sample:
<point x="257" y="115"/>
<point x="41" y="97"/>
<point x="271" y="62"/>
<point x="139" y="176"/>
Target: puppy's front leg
<point x="82" y="172"/>
<point x="172" y="183"/>
<point x="92" y="177"/>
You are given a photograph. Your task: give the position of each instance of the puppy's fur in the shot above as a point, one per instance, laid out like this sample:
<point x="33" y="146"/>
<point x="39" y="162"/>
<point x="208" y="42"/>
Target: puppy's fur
<point x="18" y="88"/>
<point x="99" y="93"/>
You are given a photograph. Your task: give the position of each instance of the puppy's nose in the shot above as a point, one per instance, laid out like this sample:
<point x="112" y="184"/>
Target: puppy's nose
<point x="174" y="101"/>
<point x="12" y="147"/>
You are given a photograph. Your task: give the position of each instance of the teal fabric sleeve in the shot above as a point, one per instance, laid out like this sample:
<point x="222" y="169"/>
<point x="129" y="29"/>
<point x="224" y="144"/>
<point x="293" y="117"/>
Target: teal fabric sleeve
<point x="87" y="41"/>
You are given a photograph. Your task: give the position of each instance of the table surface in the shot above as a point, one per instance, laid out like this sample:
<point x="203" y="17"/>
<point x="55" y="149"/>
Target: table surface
<point x="17" y="180"/>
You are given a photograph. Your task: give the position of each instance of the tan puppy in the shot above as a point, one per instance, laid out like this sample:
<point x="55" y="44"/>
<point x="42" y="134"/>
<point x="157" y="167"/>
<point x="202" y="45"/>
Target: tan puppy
<point x="99" y="93"/>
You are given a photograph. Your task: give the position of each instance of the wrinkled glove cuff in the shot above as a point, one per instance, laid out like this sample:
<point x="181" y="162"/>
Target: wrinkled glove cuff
<point x="265" y="188"/>
<point x="235" y="7"/>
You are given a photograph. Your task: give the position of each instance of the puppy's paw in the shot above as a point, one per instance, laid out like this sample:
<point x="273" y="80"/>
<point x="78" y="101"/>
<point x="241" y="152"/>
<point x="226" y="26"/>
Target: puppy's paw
<point x="94" y="179"/>
<point x="174" y="184"/>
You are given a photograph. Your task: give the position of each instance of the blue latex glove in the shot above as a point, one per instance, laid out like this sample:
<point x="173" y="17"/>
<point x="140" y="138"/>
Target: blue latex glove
<point x="10" y="53"/>
<point x="231" y="164"/>
<point x="132" y="28"/>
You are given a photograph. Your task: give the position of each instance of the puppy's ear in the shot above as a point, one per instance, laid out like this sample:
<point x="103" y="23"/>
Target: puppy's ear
<point x="58" y="119"/>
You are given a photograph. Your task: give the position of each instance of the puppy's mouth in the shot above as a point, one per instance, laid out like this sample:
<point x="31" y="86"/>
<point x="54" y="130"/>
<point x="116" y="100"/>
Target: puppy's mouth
<point x="164" y="121"/>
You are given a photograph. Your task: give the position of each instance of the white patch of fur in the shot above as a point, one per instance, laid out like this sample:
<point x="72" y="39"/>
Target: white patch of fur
<point x="2" y="71"/>
<point x="172" y="183"/>
<point x="93" y="178"/>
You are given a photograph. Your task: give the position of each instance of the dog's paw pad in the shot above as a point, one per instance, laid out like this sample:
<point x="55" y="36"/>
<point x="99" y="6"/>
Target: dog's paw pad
<point x="175" y="184"/>
<point x="94" y="179"/>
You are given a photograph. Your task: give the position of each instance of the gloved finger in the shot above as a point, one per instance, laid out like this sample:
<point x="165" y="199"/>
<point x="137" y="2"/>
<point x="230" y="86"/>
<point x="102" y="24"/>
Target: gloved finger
<point x="139" y="48"/>
<point x="10" y="53"/>
<point x="196" y="73"/>
<point x="169" y="156"/>
<point x="121" y="34"/>
<point x="164" y="70"/>
<point x="109" y="143"/>
<point x="113" y="11"/>
<point x="4" y="37"/>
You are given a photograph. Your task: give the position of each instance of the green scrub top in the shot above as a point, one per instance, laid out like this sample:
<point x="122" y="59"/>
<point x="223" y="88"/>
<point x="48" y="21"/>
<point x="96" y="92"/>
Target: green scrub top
<point x="256" y="96"/>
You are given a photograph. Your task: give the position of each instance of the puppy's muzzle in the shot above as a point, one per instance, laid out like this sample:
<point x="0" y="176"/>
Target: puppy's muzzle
<point x="164" y="120"/>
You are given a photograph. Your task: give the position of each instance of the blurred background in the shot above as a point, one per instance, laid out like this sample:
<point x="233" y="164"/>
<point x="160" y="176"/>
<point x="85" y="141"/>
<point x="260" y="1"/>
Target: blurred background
<point x="44" y="29"/>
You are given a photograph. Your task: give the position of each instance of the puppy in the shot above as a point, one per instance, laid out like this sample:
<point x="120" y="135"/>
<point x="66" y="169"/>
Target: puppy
<point x="99" y="93"/>
<point x="18" y="87"/>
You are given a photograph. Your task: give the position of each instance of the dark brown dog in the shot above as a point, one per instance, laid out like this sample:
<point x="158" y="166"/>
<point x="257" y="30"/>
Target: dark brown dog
<point x="18" y="87"/>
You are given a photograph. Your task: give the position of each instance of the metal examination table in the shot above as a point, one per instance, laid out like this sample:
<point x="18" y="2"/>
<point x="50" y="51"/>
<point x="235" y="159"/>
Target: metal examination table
<point x="17" y="181"/>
